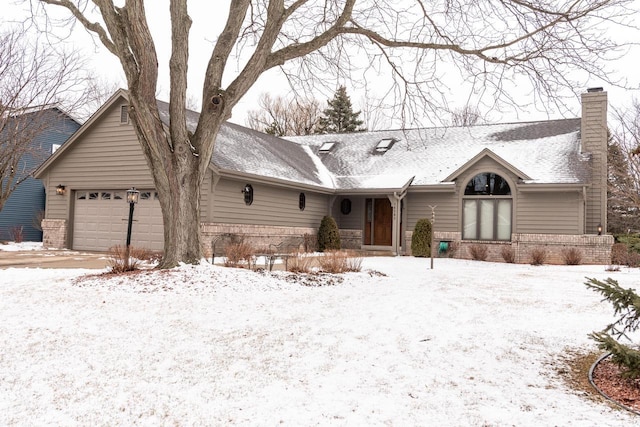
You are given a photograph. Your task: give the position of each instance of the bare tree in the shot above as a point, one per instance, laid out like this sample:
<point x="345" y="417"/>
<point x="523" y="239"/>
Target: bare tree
<point x="623" y="191"/>
<point x="285" y="117"/>
<point x="33" y="80"/>
<point x="466" y="116"/>
<point x="490" y="42"/>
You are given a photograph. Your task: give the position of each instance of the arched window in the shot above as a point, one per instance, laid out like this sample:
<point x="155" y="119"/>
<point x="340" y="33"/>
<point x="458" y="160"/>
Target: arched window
<point x="487" y="208"/>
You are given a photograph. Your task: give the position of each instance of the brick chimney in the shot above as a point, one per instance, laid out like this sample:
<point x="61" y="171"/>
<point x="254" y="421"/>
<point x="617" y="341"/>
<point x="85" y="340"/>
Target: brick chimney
<point x="594" y="142"/>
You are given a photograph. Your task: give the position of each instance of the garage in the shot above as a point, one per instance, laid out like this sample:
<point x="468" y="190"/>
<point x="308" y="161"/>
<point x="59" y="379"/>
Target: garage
<point x="100" y="220"/>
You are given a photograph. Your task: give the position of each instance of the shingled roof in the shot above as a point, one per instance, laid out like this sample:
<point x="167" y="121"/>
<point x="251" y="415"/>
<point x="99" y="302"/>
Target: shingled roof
<point x="545" y="152"/>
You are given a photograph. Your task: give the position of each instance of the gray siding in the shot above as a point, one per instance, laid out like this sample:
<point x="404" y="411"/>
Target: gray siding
<point x="107" y="157"/>
<point x="594" y="142"/>
<point x="271" y="205"/>
<point x="447" y="207"/>
<point x="355" y="219"/>
<point x="548" y="213"/>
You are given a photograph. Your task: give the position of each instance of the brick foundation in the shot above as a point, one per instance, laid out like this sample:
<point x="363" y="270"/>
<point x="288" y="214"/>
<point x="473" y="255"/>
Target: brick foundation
<point x="593" y="249"/>
<point x="54" y="233"/>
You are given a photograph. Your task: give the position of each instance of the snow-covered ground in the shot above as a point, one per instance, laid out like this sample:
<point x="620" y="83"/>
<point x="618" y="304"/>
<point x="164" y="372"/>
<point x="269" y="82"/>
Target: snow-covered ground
<point x="468" y="343"/>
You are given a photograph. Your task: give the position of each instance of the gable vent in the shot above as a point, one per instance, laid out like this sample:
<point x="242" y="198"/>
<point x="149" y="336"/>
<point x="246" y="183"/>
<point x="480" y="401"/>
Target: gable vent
<point x="326" y="147"/>
<point x="385" y="144"/>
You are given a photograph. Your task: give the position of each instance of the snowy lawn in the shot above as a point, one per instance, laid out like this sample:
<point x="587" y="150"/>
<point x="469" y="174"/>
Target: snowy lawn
<point x="468" y="343"/>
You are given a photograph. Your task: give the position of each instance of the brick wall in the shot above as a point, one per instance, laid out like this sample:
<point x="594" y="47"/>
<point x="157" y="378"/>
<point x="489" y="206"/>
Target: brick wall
<point x="594" y="249"/>
<point x="54" y="233"/>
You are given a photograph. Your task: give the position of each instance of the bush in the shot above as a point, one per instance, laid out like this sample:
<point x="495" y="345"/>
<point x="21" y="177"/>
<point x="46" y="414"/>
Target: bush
<point x="340" y="262"/>
<point x="538" y="256"/>
<point x="328" y="235"/>
<point x="453" y="249"/>
<point x="310" y="242"/>
<point x="421" y="238"/>
<point x="619" y="254"/>
<point x="118" y="261"/>
<point x="238" y="251"/>
<point x="478" y="252"/>
<point x="299" y="263"/>
<point x="572" y="256"/>
<point x="16" y="233"/>
<point x="508" y="254"/>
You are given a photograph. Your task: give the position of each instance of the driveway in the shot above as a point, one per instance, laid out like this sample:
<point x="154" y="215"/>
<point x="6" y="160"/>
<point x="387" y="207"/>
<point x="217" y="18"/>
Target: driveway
<point x="52" y="259"/>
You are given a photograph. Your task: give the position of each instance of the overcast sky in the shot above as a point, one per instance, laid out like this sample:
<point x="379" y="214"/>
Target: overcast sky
<point x="208" y="19"/>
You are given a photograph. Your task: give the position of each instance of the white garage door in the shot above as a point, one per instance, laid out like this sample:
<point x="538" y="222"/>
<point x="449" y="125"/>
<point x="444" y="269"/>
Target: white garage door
<point x="101" y="216"/>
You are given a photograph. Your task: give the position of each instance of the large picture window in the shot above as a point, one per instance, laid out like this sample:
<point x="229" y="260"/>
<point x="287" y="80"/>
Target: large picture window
<point x="487" y="218"/>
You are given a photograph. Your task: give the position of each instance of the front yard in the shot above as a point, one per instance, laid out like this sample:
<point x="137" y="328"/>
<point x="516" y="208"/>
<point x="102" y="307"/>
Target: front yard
<point x="468" y="343"/>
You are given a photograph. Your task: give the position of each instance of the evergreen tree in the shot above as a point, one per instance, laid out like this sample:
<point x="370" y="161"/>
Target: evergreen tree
<point x="626" y="304"/>
<point x="328" y="235"/>
<point x="339" y="117"/>
<point x="421" y="238"/>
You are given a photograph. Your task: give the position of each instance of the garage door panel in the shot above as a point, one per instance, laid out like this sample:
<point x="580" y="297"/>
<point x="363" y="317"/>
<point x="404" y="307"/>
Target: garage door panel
<point x="101" y="216"/>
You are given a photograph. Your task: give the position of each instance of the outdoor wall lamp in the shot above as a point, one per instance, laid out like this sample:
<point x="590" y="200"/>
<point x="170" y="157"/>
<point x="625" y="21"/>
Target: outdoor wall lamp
<point x="60" y="190"/>
<point x="599" y="229"/>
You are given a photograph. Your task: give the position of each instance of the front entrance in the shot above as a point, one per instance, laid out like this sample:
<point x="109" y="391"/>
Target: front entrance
<point x="378" y="222"/>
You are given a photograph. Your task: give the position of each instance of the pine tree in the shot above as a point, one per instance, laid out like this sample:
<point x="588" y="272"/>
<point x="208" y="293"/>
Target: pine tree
<point x="328" y="235"/>
<point x="421" y="238"/>
<point x="626" y="304"/>
<point x="339" y="117"/>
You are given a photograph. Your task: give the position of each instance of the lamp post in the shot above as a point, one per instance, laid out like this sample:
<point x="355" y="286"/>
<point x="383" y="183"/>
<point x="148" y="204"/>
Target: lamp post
<point x="132" y="198"/>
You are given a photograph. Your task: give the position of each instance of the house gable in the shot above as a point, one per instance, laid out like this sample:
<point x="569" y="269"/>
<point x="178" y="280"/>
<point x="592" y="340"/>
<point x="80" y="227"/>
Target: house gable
<point x="482" y="155"/>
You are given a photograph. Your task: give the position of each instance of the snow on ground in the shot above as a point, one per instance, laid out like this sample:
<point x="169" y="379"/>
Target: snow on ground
<point x="468" y="343"/>
<point x="24" y="246"/>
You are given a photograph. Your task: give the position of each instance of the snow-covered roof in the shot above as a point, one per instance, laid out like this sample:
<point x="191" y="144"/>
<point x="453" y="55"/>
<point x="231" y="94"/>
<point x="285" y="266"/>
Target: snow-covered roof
<point x="545" y="152"/>
<point x="243" y="150"/>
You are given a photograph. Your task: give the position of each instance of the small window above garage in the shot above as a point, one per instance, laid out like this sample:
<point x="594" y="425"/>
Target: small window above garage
<point x="385" y="144"/>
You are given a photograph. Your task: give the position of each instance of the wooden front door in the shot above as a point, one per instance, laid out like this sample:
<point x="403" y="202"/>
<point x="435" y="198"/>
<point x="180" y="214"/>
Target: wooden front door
<point x="378" y="222"/>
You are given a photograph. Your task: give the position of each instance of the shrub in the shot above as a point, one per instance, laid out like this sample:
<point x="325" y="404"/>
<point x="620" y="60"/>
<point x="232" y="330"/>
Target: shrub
<point x="633" y="259"/>
<point x="328" y="235"/>
<point x="508" y="254"/>
<point x="119" y="262"/>
<point x="421" y="238"/>
<point x="340" y="262"/>
<point x="538" y="256"/>
<point x="619" y="254"/>
<point x="572" y="256"/>
<point x="453" y="249"/>
<point x="299" y="263"/>
<point x="237" y="251"/>
<point x="478" y="252"/>
<point x="310" y="242"/>
<point x="16" y="233"/>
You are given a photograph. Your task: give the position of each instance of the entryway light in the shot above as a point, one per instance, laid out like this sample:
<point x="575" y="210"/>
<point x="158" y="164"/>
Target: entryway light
<point x="60" y="190"/>
<point x="599" y="229"/>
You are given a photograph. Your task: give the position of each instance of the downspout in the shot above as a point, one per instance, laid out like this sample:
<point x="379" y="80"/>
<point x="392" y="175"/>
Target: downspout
<point x="584" y="209"/>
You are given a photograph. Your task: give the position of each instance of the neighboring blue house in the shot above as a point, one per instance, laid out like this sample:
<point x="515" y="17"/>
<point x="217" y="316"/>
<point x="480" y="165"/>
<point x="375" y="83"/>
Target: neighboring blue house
<point x="46" y="130"/>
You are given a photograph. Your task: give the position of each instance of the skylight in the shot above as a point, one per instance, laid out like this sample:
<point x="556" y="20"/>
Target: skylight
<point x="385" y="144"/>
<point x="326" y="147"/>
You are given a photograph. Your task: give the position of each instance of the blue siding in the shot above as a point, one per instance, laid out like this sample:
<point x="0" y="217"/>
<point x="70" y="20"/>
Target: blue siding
<point x="28" y="200"/>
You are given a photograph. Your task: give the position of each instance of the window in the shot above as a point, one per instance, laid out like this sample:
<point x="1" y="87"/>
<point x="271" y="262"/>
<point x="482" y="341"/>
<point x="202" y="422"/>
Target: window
<point x="326" y="147"/>
<point x="105" y="196"/>
<point x="145" y="195"/>
<point x="487" y="218"/>
<point x="385" y="144"/>
<point x="93" y="196"/>
<point x="248" y="194"/>
<point x="302" y="201"/>
<point x="124" y="114"/>
<point x="345" y="206"/>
